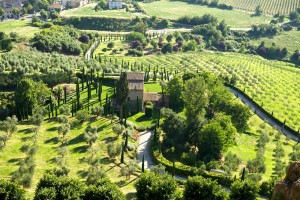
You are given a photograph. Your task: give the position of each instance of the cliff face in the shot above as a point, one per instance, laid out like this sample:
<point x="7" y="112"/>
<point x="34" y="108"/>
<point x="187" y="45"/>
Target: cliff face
<point x="289" y="187"/>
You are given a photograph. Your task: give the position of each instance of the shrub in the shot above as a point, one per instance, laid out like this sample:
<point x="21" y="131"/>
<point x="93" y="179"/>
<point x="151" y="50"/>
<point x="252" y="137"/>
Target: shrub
<point x="154" y="186"/>
<point x="244" y="190"/>
<point x="149" y="110"/>
<point x="59" y="188"/>
<point x="82" y="115"/>
<point x="10" y="191"/>
<point x="198" y="187"/>
<point x="103" y="189"/>
<point x="65" y="110"/>
<point x="110" y="45"/>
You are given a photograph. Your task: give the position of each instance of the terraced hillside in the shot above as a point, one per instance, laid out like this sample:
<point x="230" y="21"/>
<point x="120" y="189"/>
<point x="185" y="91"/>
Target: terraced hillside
<point x="273" y="84"/>
<point x="268" y="6"/>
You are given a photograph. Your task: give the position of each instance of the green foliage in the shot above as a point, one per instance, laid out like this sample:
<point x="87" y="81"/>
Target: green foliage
<point x="154" y="186"/>
<point x="244" y="190"/>
<point x="65" y="110"/>
<point x="82" y="115"/>
<point x="58" y="39"/>
<point x="97" y="110"/>
<point x="114" y="149"/>
<point x="167" y="48"/>
<point x="232" y="161"/>
<point x="11" y="191"/>
<point x="118" y="129"/>
<point x="30" y="94"/>
<point x="103" y="189"/>
<point x="149" y="109"/>
<point x="136" y="36"/>
<point x="216" y="137"/>
<point x="198" y="187"/>
<point x="174" y="91"/>
<point x="91" y="135"/>
<point x="129" y="169"/>
<point x="58" y="187"/>
<point x="190" y="46"/>
<point x="122" y="90"/>
<point x="258" y="10"/>
<point x="5" y="42"/>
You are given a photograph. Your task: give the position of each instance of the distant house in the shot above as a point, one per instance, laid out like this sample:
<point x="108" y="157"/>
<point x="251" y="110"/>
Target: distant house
<point x="74" y="3"/>
<point x="137" y="96"/>
<point x="8" y="7"/>
<point x="115" y="4"/>
<point x="55" y="7"/>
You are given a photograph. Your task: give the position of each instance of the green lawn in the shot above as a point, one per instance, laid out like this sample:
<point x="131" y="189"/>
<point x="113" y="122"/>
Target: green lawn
<point x="152" y="87"/>
<point x="288" y="39"/>
<point x="176" y="9"/>
<point x="88" y="10"/>
<point x="48" y="144"/>
<point x="22" y="27"/>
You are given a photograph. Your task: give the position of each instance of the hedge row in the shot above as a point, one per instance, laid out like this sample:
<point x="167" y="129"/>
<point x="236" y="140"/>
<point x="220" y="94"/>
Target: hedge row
<point x="282" y="124"/>
<point x="99" y="23"/>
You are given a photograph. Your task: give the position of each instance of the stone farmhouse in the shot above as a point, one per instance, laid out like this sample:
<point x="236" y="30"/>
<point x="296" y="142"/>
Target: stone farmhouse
<point x="67" y="4"/>
<point x="137" y="93"/>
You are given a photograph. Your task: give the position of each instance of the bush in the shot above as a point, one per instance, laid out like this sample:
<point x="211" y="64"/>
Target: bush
<point x="58" y="187"/>
<point x="149" y="110"/>
<point x="103" y="189"/>
<point x="155" y="186"/>
<point x="11" y="191"/>
<point x="244" y="190"/>
<point x="82" y="115"/>
<point x="198" y="187"/>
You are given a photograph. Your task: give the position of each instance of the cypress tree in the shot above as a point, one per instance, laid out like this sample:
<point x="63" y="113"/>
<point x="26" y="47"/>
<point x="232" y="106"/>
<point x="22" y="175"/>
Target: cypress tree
<point x="55" y="110"/>
<point x="58" y="96"/>
<point x="82" y="79"/>
<point x="126" y="139"/>
<point x="243" y="175"/>
<point x="65" y="93"/>
<point x="72" y="109"/>
<point x="49" y="112"/>
<point x="122" y="154"/>
<point x="143" y="164"/>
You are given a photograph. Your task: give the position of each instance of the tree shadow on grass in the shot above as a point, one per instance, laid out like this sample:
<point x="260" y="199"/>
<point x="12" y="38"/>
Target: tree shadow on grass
<point x="52" y="129"/>
<point x="80" y="149"/>
<point x="24" y="139"/>
<point x="52" y="160"/>
<point x="14" y="160"/>
<point x="131" y="195"/>
<point x="53" y="140"/>
<point x="76" y="140"/>
<point x="26" y="131"/>
<point x="110" y="139"/>
<point x="82" y="173"/>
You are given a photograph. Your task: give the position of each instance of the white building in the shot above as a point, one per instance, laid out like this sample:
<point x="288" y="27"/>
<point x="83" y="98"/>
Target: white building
<point x="115" y="4"/>
<point x="74" y="3"/>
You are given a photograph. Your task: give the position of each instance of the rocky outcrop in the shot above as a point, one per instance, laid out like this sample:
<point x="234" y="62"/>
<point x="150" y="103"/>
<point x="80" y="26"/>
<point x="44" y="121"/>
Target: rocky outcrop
<point x="289" y="187"/>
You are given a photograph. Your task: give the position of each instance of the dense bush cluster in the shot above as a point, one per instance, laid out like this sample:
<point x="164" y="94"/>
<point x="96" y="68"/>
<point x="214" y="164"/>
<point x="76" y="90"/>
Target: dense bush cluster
<point x="52" y="187"/>
<point x="197" y="20"/>
<point x="58" y="39"/>
<point x="5" y="42"/>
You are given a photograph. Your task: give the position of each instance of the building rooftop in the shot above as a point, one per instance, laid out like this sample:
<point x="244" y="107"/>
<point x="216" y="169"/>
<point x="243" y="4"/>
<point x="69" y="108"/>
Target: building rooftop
<point x="155" y="97"/>
<point x="137" y="76"/>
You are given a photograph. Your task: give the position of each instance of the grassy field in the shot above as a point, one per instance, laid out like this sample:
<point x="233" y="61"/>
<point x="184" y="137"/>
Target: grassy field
<point x="246" y="147"/>
<point x="270" y="7"/>
<point x="22" y="27"/>
<point x="89" y="10"/>
<point x="271" y="83"/>
<point x="48" y="144"/>
<point x="176" y="9"/>
<point x="288" y="39"/>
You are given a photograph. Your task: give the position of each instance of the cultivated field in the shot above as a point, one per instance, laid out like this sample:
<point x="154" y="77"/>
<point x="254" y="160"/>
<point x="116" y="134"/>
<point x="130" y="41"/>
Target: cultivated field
<point x="89" y="10"/>
<point x="48" y="145"/>
<point x="270" y="7"/>
<point x="22" y="27"/>
<point x="273" y="84"/>
<point x="176" y="9"/>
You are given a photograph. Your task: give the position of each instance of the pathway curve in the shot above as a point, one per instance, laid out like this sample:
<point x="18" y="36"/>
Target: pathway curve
<point x="263" y="116"/>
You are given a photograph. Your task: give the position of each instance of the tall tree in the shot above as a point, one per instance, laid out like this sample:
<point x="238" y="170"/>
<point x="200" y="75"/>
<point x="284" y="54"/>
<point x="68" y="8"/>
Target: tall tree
<point x="174" y="91"/>
<point x="122" y="89"/>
